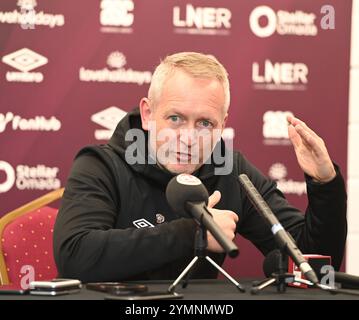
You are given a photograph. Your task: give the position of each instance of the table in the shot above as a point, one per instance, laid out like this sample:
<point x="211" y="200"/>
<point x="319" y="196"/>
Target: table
<point x="205" y="290"/>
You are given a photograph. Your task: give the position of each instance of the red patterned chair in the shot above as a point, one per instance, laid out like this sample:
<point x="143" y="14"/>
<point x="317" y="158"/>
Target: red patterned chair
<point x="26" y="241"/>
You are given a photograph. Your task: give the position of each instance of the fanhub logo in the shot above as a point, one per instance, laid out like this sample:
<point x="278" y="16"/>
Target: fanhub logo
<point x="279" y="75"/>
<point x="117" y="16"/>
<point x="297" y="23"/>
<point x="201" y="20"/>
<point x="28" y="18"/>
<point x="38" y="123"/>
<point x="107" y="118"/>
<point x="116" y="72"/>
<point x="24" y="60"/>
<point x="279" y="172"/>
<point x="27" y="177"/>
<point x="275" y="127"/>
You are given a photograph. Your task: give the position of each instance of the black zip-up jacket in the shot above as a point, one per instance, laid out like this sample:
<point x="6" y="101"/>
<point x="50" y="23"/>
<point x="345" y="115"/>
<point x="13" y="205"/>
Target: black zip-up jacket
<point x="95" y="238"/>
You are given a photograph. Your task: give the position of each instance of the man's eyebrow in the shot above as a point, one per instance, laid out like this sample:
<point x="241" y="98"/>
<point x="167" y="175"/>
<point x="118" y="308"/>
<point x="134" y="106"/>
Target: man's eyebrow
<point x="206" y="118"/>
<point x="174" y="110"/>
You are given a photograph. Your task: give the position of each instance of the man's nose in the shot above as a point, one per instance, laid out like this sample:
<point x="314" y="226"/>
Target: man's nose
<point x="188" y="136"/>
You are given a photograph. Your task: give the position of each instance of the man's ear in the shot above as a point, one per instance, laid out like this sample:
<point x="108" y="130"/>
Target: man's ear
<point x="225" y="121"/>
<point x="145" y="110"/>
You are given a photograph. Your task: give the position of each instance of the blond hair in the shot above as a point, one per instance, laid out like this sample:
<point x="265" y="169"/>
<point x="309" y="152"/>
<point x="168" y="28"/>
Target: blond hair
<point x="197" y="65"/>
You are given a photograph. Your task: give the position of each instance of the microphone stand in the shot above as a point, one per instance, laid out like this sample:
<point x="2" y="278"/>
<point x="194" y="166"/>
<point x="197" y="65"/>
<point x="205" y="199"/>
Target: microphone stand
<point x="280" y="278"/>
<point x="201" y="243"/>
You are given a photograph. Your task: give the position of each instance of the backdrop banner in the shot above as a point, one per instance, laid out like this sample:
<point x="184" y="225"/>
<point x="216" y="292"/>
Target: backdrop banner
<point x="70" y="70"/>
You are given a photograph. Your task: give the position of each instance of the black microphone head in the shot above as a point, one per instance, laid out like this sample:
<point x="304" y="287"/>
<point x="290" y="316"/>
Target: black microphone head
<point x="273" y="261"/>
<point x="185" y="188"/>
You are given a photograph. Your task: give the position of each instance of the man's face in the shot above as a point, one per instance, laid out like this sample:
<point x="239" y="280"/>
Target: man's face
<point x="186" y="122"/>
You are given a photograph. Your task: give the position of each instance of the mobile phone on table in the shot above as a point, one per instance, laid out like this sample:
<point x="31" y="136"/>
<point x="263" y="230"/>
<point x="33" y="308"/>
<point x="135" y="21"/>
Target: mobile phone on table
<point x="155" y="295"/>
<point x="55" y="287"/>
<point x="13" y="289"/>
<point x="117" y="288"/>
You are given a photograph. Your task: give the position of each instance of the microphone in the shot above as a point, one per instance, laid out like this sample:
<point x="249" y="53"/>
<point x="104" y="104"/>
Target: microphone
<point x="272" y="261"/>
<point x="284" y="240"/>
<point x="188" y="196"/>
<point x="347" y="281"/>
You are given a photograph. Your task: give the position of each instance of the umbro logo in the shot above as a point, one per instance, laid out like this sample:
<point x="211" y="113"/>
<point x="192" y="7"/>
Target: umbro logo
<point x="107" y="118"/>
<point x="24" y="60"/>
<point x="142" y="223"/>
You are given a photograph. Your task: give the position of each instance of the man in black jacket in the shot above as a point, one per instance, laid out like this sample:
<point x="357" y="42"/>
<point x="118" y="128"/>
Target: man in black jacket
<point x="115" y="223"/>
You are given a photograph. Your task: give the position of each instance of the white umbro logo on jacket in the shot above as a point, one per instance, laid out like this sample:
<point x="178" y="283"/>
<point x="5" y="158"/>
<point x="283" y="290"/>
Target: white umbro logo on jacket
<point x="142" y="223"/>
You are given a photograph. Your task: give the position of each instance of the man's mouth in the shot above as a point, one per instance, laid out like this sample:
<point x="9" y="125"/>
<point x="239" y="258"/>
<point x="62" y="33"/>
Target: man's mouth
<point x="183" y="157"/>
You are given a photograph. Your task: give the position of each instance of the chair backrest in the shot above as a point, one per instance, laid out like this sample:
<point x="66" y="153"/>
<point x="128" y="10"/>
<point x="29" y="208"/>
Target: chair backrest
<point x="27" y="246"/>
<point x="26" y="251"/>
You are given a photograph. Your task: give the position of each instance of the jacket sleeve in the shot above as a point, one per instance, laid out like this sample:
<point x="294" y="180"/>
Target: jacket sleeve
<point x="86" y="244"/>
<point x="323" y="228"/>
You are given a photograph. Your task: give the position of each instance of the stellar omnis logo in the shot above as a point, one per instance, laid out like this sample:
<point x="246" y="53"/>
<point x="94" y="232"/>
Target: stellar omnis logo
<point x="264" y="22"/>
<point x="279" y="172"/>
<point x="24" y="60"/>
<point x="25" y="177"/>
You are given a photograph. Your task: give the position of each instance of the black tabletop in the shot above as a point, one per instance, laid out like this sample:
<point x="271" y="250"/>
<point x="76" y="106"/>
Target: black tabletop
<point x="204" y="290"/>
